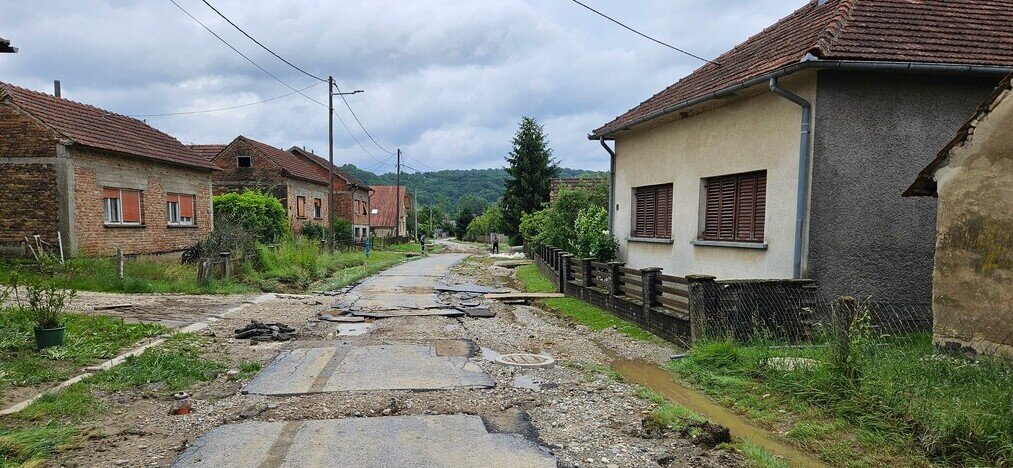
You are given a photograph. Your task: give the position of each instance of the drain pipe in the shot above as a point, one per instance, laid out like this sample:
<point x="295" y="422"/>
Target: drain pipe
<point x="612" y="184"/>
<point x="801" y="197"/>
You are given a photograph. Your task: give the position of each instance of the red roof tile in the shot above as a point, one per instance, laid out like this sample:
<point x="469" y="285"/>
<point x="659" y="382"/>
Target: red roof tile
<point x="98" y="128"/>
<point x="966" y="32"/>
<point x="208" y="152"/>
<point x="293" y="165"/>
<point x="384" y="200"/>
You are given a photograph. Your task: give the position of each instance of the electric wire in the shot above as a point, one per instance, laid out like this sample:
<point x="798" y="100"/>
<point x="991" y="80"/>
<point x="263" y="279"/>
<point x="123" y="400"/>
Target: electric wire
<point x="356" y="117"/>
<point x="603" y="15"/>
<point x="221" y="108"/>
<point x="262" y="46"/>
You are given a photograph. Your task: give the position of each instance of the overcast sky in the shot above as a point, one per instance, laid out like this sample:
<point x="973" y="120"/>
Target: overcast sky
<point x="447" y="81"/>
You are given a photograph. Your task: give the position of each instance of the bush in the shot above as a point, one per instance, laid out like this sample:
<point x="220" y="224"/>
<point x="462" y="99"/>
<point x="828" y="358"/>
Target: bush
<point x="259" y="213"/>
<point x="487" y="223"/>
<point x="342" y="230"/>
<point x="591" y="237"/>
<point x="314" y="231"/>
<point x="556" y="224"/>
<point x="229" y="235"/>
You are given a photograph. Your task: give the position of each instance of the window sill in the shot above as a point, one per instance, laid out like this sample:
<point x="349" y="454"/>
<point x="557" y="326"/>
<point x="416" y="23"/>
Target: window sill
<point x="730" y="244"/>
<point x="301" y="217"/>
<point x="181" y="226"/>
<point x="650" y="240"/>
<point x="124" y="226"/>
<point x="318" y="219"/>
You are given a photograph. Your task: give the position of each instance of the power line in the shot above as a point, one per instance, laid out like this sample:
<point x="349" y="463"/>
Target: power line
<point x="304" y="72"/>
<point x="420" y="162"/>
<point x="244" y="55"/>
<point x="603" y="15"/>
<point x="378" y="145"/>
<point x="221" y="108"/>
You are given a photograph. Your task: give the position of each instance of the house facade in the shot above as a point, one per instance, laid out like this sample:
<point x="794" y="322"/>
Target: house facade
<point x="101" y="180"/>
<point x="351" y="195"/>
<point x="972" y="176"/>
<point x="386" y="219"/>
<point x="786" y="157"/>
<point x="249" y="164"/>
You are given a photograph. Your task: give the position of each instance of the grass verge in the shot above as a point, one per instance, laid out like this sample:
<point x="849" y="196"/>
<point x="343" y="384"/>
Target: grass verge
<point x="595" y="318"/>
<point x="58" y="421"/>
<point x="908" y="407"/>
<point x="90" y="338"/>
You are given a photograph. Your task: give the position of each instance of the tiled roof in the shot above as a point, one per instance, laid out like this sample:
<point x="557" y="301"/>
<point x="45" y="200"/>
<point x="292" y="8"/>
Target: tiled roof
<point x="384" y="200"/>
<point x="98" y="128"/>
<point x="290" y="163"/>
<point x="323" y="163"/>
<point x="966" y="32"/>
<point x="925" y="183"/>
<point x="208" y="152"/>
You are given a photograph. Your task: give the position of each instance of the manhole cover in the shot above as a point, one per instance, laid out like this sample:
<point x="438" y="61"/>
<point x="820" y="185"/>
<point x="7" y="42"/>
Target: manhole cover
<point x="526" y="360"/>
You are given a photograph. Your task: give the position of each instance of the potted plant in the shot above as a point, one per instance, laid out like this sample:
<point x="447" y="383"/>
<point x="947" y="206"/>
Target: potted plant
<point x="46" y="303"/>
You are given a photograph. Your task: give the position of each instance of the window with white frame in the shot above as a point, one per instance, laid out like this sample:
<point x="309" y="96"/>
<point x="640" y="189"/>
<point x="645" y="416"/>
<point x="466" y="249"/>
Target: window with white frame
<point x="179" y="209"/>
<point x="121" y="206"/>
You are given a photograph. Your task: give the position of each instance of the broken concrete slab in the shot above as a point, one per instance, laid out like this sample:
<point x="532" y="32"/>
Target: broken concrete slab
<point x="410" y="313"/>
<point x="512" y="263"/>
<point x="342" y="318"/>
<point x="468" y="288"/>
<point x="378" y="367"/>
<point x="451" y="440"/>
<point x="479" y="312"/>
<point x="353" y="329"/>
<point x="462" y="348"/>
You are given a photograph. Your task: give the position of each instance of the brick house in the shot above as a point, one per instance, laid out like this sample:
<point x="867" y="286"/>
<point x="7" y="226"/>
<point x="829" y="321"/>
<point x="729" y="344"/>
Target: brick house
<point x="100" y="179"/>
<point x="786" y="157"/>
<point x="249" y="164"/>
<point x="384" y="212"/>
<point x="972" y="176"/>
<point x="351" y="195"/>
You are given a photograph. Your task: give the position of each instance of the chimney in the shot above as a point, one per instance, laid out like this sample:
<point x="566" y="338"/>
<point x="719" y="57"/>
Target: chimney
<point x="56" y="88"/>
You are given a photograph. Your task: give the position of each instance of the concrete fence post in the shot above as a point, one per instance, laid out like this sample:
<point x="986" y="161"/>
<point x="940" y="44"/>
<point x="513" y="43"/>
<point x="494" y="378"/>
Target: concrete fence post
<point x="204" y="271"/>
<point x="702" y="303"/>
<point x="564" y="271"/>
<point x="585" y="264"/>
<point x="119" y="263"/>
<point x="649" y="288"/>
<point x="615" y="278"/>
<point x="226" y="264"/>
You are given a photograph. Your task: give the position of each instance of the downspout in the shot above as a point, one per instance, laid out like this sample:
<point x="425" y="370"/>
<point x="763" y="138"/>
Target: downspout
<point x="612" y="184"/>
<point x="801" y="197"/>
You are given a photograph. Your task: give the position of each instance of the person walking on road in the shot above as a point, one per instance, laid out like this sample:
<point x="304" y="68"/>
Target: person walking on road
<point x="422" y="242"/>
<point x="495" y="243"/>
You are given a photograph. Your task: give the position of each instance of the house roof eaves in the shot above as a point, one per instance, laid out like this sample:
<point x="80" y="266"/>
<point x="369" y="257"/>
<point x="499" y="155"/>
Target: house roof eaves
<point x="851" y="65"/>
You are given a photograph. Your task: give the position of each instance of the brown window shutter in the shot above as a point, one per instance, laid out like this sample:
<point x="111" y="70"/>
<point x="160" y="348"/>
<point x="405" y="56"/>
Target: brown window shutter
<point x="665" y="211"/>
<point x="131" y="206"/>
<point x="186" y="207"/>
<point x="760" y="212"/>
<point x="726" y="208"/>
<point x="735" y="207"/>
<point x="745" y="207"/>
<point x="712" y="214"/>
<point x="640" y="225"/>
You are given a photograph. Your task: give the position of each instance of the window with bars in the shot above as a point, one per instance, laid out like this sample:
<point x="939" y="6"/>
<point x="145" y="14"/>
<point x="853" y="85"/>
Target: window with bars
<point x="735" y="207"/>
<point x="121" y="206"/>
<point x="179" y="209"/>
<point x="300" y="206"/>
<point x="652" y="211"/>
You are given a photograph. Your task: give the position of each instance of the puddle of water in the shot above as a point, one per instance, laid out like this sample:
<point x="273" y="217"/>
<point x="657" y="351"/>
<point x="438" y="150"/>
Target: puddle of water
<point x="353" y="329"/>
<point x="490" y="355"/>
<point x="528" y="382"/>
<point x="655" y="378"/>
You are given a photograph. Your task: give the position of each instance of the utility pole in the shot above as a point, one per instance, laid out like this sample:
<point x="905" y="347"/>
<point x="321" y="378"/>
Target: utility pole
<point x="330" y="159"/>
<point x="397" y="195"/>
<point x="415" y="209"/>
<point x="431" y="232"/>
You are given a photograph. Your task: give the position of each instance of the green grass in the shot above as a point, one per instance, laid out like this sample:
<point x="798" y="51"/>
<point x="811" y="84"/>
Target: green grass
<point x="298" y="264"/>
<point x="89" y="339"/>
<point x="58" y="421"/>
<point x="577" y="310"/>
<point x="145" y="274"/>
<point x="667" y="414"/>
<point x="907" y="407"/>
<point x="758" y="456"/>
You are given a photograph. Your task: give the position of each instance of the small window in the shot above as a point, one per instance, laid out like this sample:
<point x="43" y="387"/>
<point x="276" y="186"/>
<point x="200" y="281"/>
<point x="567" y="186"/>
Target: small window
<point x="121" y="206"/>
<point x="300" y="207"/>
<point x="318" y="208"/>
<point x="652" y="214"/>
<point x="736" y="207"/>
<point x="179" y="209"/>
<point x="244" y="161"/>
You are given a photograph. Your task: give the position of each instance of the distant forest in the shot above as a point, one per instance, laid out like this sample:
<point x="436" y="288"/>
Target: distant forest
<point x="447" y="187"/>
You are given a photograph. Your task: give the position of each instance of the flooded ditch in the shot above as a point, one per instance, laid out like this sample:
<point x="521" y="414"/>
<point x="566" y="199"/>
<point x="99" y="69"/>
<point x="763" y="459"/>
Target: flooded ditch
<point x="651" y="376"/>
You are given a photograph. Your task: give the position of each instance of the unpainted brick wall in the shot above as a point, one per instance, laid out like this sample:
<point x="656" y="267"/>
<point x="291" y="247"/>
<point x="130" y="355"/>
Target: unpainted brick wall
<point x="30" y="202"/>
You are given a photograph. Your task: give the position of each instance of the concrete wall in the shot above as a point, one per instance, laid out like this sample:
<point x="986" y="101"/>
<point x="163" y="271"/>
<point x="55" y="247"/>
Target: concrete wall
<point x="972" y="293"/>
<point x="872" y="134"/>
<point x="756" y="132"/>
<point x="310" y="190"/>
<point x="93" y="170"/>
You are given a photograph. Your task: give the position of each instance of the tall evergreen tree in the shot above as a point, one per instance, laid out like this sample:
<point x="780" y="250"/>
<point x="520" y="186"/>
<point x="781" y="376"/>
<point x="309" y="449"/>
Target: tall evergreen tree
<point x="530" y="170"/>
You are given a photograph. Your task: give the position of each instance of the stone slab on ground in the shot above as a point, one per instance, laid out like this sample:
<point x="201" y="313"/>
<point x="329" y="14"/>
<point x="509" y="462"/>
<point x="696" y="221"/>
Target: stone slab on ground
<point x="305" y="371"/>
<point x="410" y="313"/>
<point x="469" y="288"/>
<point x="423" y="441"/>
